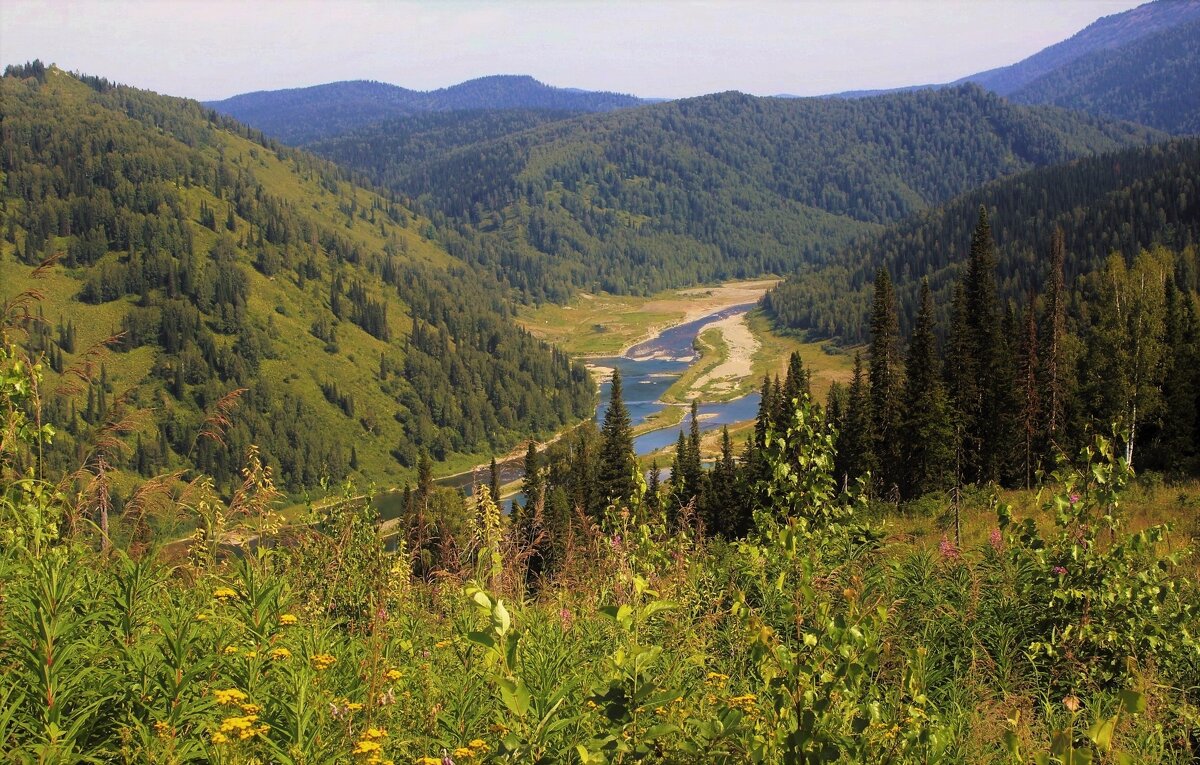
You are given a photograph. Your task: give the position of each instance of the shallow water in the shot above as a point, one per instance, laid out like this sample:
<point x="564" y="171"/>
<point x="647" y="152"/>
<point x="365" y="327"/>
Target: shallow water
<point x="647" y="371"/>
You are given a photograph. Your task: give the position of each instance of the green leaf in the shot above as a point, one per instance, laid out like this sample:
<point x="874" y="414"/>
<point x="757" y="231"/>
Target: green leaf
<point x="1101" y="733"/>
<point x="1133" y="702"/>
<point x="514" y="694"/>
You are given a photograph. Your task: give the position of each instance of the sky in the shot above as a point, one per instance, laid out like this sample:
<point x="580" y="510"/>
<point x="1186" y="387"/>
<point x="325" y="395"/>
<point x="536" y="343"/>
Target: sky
<point x="651" y="48"/>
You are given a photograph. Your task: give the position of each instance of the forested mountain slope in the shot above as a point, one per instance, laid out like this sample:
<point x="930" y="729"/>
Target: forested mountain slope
<point x="1154" y="81"/>
<point x="722" y="186"/>
<point x="216" y="262"/>
<point x="1116" y="202"/>
<point x="300" y="115"/>
<point x="1105" y="34"/>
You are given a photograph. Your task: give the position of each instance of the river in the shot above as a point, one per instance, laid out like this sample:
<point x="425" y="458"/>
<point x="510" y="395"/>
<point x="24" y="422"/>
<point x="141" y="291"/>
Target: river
<point x="647" y="371"/>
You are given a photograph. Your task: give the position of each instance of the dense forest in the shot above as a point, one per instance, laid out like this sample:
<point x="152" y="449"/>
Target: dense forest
<point x="1151" y="81"/>
<point x="716" y="187"/>
<point x="301" y="115"/>
<point x="1121" y="202"/>
<point x="188" y="269"/>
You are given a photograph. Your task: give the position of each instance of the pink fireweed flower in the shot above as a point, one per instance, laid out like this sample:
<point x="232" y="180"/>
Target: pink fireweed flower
<point x="1074" y="499"/>
<point x="996" y="540"/>
<point x="948" y="550"/>
<point x="1060" y="571"/>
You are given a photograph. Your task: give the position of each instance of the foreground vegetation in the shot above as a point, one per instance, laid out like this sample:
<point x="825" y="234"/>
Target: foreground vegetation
<point x="816" y="638"/>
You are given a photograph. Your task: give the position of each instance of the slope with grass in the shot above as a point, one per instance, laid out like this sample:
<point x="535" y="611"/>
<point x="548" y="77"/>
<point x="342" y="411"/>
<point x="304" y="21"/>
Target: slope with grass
<point x="215" y="262"/>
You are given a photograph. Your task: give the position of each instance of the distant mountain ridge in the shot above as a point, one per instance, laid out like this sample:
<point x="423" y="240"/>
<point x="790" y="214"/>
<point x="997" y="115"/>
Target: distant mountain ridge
<point x="300" y="115"/>
<point x="1107" y="33"/>
<point x="1137" y="65"/>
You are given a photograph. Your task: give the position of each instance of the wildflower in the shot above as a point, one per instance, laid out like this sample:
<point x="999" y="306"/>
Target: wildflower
<point x="288" y="620"/>
<point x="162" y="729"/>
<point x="367" y="746"/>
<point x="1074" y="499"/>
<point x="996" y="540"/>
<point x="374" y="733"/>
<point x="499" y="729"/>
<point x="393" y="675"/>
<point x="716" y="678"/>
<point x="1060" y="571"/>
<point x="323" y="661"/>
<point x="948" y="550"/>
<point x="441" y="644"/>
<point x="427" y="761"/>
<point x="224" y="593"/>
<point x="219" y="738"/>
<point x="745" y="702"/>
<point x="229" y="696"/>
<point x="354" y="706"/>
<point x="478" y="744"/>
<point x="463" y="753"/>
<point x="279" y="654"/>
<point x="251" y="709"/>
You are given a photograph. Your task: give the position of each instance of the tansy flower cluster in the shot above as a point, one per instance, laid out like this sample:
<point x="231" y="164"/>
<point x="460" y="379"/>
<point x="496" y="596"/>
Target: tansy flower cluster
<point x="288" y="620"/>
<point x="746" y="702"/>
<point x="242" y="727"/>
<point x="370" y="748"/>
<point x="279" y="654"/>
<point x="473" y="749"/>
<point x="224" y="593"/>
<point x="229" y="697"/>
<point x="323" y="661"/>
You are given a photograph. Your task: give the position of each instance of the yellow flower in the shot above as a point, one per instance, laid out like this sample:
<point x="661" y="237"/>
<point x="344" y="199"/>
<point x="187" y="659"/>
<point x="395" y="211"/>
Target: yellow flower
<point x="224" y="593"/>
<point x="323" y="661"/>
<point x="366" y="746"/>
<point x="716" y="678"/>
<point x="394" y="675"/>
<point x="162" y="729"/>
<point x="281" y="654"/>
<point x="237" y="724"/>
<point x="251" y="709"/>
<point x="230" y="650"/>
<point x="230" y="696"/>
<point x="354" y="706"/>
<point x="478" y="743"/>
<point x="463" y="753"/>
<point x="373" y="734"/>
<point x="441" y="644"/>
<point x="499" y="729"/>
<point x="219" y="738"/>
<point x="427" y="761"/>
<point x="288" y="620"/>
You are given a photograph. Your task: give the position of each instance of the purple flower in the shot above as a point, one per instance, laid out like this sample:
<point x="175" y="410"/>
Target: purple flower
<point x="616" y="542"/>
<point x="1074" y="499"/>
<point x="948" y="550"/>
<point x="996" y="540"/>
<point x="1060" y="571"/>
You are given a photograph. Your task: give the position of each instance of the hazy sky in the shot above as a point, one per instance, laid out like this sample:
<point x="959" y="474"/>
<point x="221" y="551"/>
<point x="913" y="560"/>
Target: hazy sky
<point x="216" y="48"/>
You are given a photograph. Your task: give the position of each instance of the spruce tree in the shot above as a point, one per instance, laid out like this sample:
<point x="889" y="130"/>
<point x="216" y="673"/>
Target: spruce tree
<point x="1054" y="375"/>
<point x="856" y="442"/>
<point x="653" y="500"/>
<point x="615" y="474"/>
<point x="494" y="481"/>
<point x="986" y="416"/>
<point x="797" y="381"/>
<point x="886" y="406"/>
<point x="1029" y="395"/>
<point x="927" y="433"/>
<point x="533" y="483"/>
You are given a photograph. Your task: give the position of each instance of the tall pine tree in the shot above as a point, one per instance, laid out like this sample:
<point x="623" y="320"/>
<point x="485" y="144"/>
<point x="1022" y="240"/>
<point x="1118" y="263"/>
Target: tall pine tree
<point x="886" y="406"/>
<point x="615" y="471"/>
<point x="928" y="436"/>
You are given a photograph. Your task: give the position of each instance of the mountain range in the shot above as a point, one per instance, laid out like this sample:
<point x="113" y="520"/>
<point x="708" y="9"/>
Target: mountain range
<point x="299" y="115"/>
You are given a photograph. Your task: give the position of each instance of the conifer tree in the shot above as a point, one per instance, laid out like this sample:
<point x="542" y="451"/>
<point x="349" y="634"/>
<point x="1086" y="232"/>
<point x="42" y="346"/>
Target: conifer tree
<point x="494" y="481"/>
<point x="927" y="432"/>
<point x="766" y="410"/>
<point x="856" y="442"/>
<point x="653" y="500"/>
<point x="797" y="382"/>
<point x="1029" y="418"/>
<point x="533" y="482"/>
<point x="615" y="474"/>
<point x="886" y="406"/>
<point x="1053" y="351"/>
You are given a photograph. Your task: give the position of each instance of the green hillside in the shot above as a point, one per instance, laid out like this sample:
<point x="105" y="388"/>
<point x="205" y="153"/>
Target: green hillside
<point x="722" y="186"/>
<point x="212" y="261"/>
<point x="1152" y="81"/>
<point x="1117" y="202"/>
